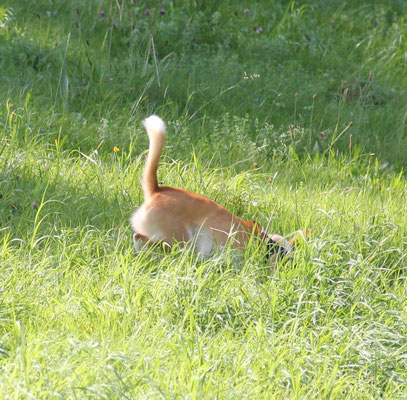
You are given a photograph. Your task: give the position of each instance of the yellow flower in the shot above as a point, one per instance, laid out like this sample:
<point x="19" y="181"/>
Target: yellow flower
<point x="116" y="149"/>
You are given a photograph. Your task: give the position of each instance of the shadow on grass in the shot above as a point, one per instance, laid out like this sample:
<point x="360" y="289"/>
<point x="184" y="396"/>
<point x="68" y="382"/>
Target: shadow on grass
<point x="37" y="204"/>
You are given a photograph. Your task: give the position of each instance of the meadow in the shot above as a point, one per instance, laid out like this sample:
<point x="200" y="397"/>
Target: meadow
<point x="292" y="113"/>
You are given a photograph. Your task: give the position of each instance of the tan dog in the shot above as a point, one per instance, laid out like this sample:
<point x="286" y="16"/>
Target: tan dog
<point x="170" y="215"/>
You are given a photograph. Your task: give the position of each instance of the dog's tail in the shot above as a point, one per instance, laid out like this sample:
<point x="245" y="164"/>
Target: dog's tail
<point x="155" y="128"/>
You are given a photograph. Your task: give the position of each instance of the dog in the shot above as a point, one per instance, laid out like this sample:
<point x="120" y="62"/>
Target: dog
<point x="169" y="215"/>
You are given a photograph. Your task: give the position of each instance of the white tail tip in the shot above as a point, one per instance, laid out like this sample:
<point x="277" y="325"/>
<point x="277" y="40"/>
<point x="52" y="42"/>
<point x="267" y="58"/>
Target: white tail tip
<point x="154" y="123"/>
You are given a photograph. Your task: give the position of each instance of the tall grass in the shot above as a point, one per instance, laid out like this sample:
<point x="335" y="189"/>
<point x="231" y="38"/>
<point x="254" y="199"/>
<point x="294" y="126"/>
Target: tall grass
<point x="299" y="124"/>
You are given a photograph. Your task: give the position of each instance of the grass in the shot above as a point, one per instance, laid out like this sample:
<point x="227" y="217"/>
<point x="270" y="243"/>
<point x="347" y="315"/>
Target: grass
<point x="82" y="315"/>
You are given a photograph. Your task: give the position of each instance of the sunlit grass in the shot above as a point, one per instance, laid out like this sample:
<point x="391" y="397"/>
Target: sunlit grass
<point x="285" y="125"/>
<point x="83" y="313"/>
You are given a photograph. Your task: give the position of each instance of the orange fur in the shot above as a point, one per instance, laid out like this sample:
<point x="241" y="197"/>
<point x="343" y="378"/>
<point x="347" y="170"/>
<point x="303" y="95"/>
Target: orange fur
<point x="170" y="215"/>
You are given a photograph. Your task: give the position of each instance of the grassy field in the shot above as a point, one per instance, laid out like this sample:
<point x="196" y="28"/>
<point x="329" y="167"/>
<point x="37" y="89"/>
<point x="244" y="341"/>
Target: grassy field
<point x="290" y="113"/>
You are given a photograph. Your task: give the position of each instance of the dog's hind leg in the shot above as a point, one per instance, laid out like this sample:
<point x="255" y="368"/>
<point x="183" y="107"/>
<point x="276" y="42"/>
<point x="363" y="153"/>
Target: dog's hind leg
<point x="139" y="241"/>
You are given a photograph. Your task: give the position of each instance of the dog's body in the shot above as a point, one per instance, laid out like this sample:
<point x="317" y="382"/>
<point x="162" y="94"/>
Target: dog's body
<point x="170" y="215"/>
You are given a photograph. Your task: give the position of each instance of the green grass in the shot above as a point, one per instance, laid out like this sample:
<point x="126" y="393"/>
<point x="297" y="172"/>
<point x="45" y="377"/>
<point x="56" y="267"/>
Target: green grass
<point x="83" y="315"/>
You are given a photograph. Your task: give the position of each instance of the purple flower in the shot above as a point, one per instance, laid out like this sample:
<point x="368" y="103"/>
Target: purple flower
<point x="162" y="11"/>
<point x="147" y="11"/>
<point x="322" y="134"/>
<point x="259" y="29"/>
<point x="34" y="204"/>
<point x="246" y="11"/>
<point x="102" y="13"/>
